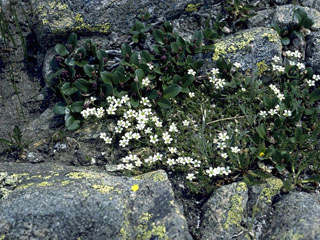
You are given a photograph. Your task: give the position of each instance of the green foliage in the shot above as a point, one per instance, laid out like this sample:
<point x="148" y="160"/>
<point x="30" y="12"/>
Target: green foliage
<point x="239" y="11"/>
<point x="80" y="72"/>
<point x="15" y="140"/>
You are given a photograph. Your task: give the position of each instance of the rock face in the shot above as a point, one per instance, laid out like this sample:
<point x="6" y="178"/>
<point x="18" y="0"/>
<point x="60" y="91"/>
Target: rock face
<point x="253" y="48"/>
<point x="56" y="18"/>
<point x="57" y="202"/>
<point x="297" y="216"/>
<point x="313" y="51"/>
<point x="224" y="212"/>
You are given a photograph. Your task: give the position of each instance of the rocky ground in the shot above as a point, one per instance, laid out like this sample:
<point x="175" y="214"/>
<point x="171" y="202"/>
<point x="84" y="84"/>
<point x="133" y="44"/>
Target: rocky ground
<point x="60" y="185"/>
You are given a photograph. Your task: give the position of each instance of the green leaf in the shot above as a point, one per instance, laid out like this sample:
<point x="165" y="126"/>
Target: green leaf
<point x="261" y="131"/>
<point x="82" y="84"/>
<point x="121" y="78"/>
<point x="188" y="80"/>
<point x="77" y="106"/>
<point x="298" y="34"/>
<point x="171" y="91"/>
<point x="198" y="64"/>
<point x="315" y="95"/>
<point x="146" y="56"/>
<point x="71" y="123"/>
<point x="69" y="61"/>
<point x="125" y="49"/>
<point x="82" y="51"/>
<point x="197" y="37"/>
<point x="140" y="74"/>
<point x="164" y="103"/>
<point x="68" y="90"/>
<point x="108" y="89"/>
<point x="88" y="69"/>
<point x="285" y="41"/>
<point x="106" y="77"/>
<point x="101" y="54"/>
<point x="72" y="39"/>
<point x="158" y="36"/>
<point x="59" y="109"/>
<point x="134" y="103"/>
<point x="61" y="50"/>
<point x="134" y="59"/>
<point x="175" y="47"/>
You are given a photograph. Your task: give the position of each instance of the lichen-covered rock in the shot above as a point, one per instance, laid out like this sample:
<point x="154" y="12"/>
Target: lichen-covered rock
<point x="260" y="203"/>
<point x="283" y="16"/>
<point x="58" y="18"/>
<point x="262" y="18"/>
<point x="58" y="202"/>
<point x="315" y="4"/>
<point x="313" y="51"/>
<point x="224" y="212"/>
<point x="296" y="216"/>
<point x="253" y="48"/>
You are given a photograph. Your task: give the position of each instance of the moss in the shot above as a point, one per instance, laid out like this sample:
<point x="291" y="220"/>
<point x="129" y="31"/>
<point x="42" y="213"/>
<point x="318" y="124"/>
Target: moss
<point x="262" y="67"/>
<point x="45" y="184"/>
<point x="270" y="189"/>
<point x="235" y="213"/>
<point x="192" y="7"/>
<point x="103" y="188"/>
<point x="146" y="233"/>
<point x="24" y="186"/>
<point x="158" y="176"/>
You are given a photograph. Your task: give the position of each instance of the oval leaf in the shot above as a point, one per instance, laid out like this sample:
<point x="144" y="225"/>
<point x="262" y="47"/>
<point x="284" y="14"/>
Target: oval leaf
<point x="61" y="50"/>
<point x="82" y="85"/>
<point x="164" y="103"/>
<point x="59" y="109"/>
<point x="171" y="91"/>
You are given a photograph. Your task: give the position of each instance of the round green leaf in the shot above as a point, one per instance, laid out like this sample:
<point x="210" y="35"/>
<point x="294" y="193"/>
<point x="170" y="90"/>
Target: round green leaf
<point x="59" y="109"/>
<point x="171" y="91"/>
<point x="77" y="106"/>
<point x="71" y="123"/>
<point x="164" y="103"/>
<point x="88" y="69"/>
<point x="68" y="90"/>
<point x="82" y="84"/>
<point x="61" y="50"/>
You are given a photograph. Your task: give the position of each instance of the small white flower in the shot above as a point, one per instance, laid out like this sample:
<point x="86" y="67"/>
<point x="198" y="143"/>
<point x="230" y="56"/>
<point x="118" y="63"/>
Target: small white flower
<point x="158" y="124"/>
<point x="263" y="114"/>
<point x="301" y="66"/>
<point x="186" y="123"/>
<point x="125" y="99"/>
<point x="150" y="66"/>
<point x="145" y="101"/>
<point x="173" y="128"/>
<point x="108" y="140"/>
<point x="190" y="176"/>
<point x="235" y="149"/>
<point x="191" y="94"/>
<point x="310" y="83"/>
<point x="148" y="130"/>
<point x="223" y="136"/>
<point x="166" y="138"/>
<point x="287" y="113"/>
<point x="273" y="112"/>
<point x="171" y="162"/>
<point x="154" y="139"/>
<point x="237" y="65"/>
<point x="172" y="150"/>
<point x="224" y="155"/>
<point x="145" y="81"/>
<point x="211" y="172"/>
<point x="191" y="72"/>
<point x="276" y="59"/>
<point x="215" y="71"/>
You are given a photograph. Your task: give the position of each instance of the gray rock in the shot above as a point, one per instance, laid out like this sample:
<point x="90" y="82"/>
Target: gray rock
<point x="34" y="157"/>
<point x="315" y="4"/>
<point x="224" y="212"/>
<point x="313" y="51"/>
<point x="60" y="202"/>
<point x="253" y="48"/>
<point x="283" y="16"/>
<point x="296" y="216"/>
<point x="55" y="19"/>
<point x="262" y="18"/>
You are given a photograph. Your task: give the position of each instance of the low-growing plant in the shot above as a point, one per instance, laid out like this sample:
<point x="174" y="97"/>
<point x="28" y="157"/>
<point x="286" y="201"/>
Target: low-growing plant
<point x="159" y="74"/>
<point x="239" y="11"/>
<point x="14" y="141"/>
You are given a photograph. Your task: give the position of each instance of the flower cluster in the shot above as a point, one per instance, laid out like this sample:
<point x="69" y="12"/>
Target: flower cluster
<point x="97" y="112"/>
<point x="212" y="172"/>
<point x="312" y="82"/>
<point x="218" y="83"/>
<point x="276" y="65"/>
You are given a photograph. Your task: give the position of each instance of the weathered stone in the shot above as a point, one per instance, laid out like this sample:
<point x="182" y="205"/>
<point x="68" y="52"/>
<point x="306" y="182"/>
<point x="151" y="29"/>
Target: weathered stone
<point x="283" y="16"/>
<point x="58" y="18"/>
<point x="260" y="203"/>
<point x="224" y="212"/>
<point x="313" y="51"/>
<point x="253" y="48"/>
<point x="296" y="216"/>
<point x="262" y="18"/>
<point x="315" y="4"/>
<point x="53" y="201"/>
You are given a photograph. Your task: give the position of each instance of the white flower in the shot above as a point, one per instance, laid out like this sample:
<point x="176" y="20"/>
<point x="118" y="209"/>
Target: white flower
<point x="191" y="72"/>
<point x="186" y="123"/>
<point x="157" y="157"/>
<point x="172" y="150"/>
<point x="280" y="96"/>
<point x="145" y="101"/>
<point x="158" y="124"/>
<point x="108" y="140"/>
<point x="154" y="139"/>
<point x="173" y="128"/>
<point x="235" y="149"/>
<point x="125" y="99"/>
<point x="191" y="94"/>
<point x="145" y="81"/>
<point x="301" y="66"/>
<point x="171" y="162"/>
<point x="190" y="176"/>
<point x="215" y="71"/>
<point x="123" y="142"/>
<point x="223" y="136"/>
<point x="150" y="66"/>
<point x="263" y="114"/>
<point x="276" y="59"/>
<point x="221" y="145"/>
<point x="237" y="65"/>
<point x="148" y="130"/>
<point x="287" y="113"/>
<point x="141" y="126"/>
<point x="166" y="138"/>
<point x="316" y="77"/>
<point x="273" y="112"/>
<point x="224" y="155"/>
<point x="136" y="136"/>
<point x="310" y="83"/>
<point x="211" y="172"/>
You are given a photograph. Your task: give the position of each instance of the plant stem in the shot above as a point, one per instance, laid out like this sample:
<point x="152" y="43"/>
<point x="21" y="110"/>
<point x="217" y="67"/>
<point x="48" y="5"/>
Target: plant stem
<point x="225" y="119"/>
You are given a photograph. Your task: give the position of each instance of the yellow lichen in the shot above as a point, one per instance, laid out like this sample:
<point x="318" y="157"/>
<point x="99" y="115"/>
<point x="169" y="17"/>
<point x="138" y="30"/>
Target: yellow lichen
<point x="45" y="184"/>
<point x="2" y="237"/>
<point x="192" y="7"/>
<point x="66" y="182"/>
<point x="156" y="176"/>
<point x="235" y="213"/>
<point x="262" y="68"/>
<point x="270" y="189"/>
<point x="85" y="193"/>
<point x="24" y="186"/>
<point x="80" y="175"/>
<point x="135" y="187"/>
<point x="272" y="37"/>
<point x="78" y="18"/>
<point x="143" y="232"/>
<point x="47" y="177"/>
<point x="241" y="187"/>
<point x="103" y="188"/>
<point x="102" y="28"/>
